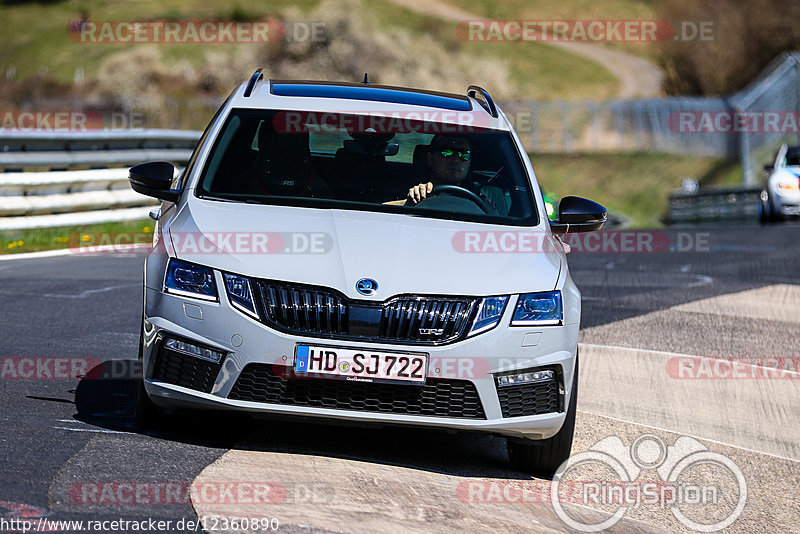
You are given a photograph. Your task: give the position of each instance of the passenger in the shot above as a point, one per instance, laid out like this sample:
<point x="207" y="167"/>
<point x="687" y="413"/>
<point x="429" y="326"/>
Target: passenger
<point x="284" y="168"/>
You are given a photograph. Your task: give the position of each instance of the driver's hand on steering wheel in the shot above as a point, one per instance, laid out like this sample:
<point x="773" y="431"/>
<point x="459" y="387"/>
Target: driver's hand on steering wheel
<point x="419" y="192"/>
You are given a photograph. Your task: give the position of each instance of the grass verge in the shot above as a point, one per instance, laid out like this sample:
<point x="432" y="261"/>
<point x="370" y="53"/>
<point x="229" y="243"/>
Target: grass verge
<point x="34" y="240"/>
<point x="37" y="41"/>
<point x="636" y="185"/>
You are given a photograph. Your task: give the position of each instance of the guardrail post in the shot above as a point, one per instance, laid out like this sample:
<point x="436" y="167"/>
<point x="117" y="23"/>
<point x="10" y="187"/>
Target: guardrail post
<point x="744" y="153"/>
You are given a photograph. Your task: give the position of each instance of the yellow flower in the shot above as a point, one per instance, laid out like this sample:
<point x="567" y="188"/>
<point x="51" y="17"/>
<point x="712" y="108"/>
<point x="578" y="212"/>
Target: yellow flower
<point x="61" y="240"/>
<point x="20" y="243"/>
<point x="12" y="244"/>
<point x="86" y="237"/>
<point x="146" y="229"/>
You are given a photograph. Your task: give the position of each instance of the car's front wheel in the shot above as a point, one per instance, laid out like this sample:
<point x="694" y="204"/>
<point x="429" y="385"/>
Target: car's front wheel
<point x="543" y="457"/>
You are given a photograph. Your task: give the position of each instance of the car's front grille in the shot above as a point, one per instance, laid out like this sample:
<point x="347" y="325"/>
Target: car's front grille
<point x="183" y="370"/>
<point x="303" y="308"/>
<point x="529" y="399"/>
<point x="423" y="319"/>
<point x="323" y="312"/>
<point x="437" y="398"/>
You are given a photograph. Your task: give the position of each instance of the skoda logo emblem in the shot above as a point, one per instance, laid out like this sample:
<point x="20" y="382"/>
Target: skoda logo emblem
<point x="367" y="286"/>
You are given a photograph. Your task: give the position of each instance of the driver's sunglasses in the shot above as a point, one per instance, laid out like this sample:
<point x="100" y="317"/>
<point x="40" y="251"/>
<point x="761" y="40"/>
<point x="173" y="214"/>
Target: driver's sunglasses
<point x="463" y="155"/>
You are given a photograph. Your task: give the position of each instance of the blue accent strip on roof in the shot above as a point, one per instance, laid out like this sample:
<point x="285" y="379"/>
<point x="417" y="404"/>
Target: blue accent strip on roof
<point x="454" y="103"/>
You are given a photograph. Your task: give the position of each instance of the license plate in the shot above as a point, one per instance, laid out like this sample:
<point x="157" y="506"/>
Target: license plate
<point x="358" y="365"/>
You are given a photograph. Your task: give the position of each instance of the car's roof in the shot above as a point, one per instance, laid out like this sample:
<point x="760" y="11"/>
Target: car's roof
<point x="372" y="92"/>
<point x="364" y="98"/>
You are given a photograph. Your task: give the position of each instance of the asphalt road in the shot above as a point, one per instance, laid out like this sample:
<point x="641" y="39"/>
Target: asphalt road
<point x="69" y="449"/>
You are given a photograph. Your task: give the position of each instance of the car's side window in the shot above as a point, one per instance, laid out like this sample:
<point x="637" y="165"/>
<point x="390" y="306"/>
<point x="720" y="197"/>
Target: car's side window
<point x="180" y="180"/>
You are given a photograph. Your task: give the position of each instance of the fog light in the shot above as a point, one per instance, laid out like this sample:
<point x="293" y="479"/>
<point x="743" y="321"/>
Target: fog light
<point x="193" y="350"/>
<point x="529" y="377"/>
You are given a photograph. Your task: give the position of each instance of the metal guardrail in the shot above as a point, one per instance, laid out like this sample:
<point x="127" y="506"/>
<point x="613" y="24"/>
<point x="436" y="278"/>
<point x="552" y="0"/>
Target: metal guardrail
<point x="718" y="204"/>
<point x="65" y="150"/>
<point x="88" y="196"/>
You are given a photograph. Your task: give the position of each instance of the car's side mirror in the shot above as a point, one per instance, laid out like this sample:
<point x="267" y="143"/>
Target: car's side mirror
<point x="576" y="214"/>
<point x="154" y="179"/>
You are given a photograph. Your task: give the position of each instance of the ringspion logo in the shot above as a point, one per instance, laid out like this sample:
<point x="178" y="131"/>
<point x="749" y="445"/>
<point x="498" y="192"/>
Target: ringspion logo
<point x="704" y="490"/>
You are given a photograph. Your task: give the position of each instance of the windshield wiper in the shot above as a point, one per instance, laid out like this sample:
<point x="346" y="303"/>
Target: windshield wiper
<point x="247" y="200"/>
<point x="221" y="199"/>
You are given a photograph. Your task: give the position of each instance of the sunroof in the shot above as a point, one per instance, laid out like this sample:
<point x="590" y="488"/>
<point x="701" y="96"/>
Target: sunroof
<point x="374" y="93"/>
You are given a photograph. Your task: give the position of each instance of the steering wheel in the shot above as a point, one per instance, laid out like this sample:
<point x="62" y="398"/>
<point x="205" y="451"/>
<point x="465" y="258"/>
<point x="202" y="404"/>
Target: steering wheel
<point x="463" y="192"/>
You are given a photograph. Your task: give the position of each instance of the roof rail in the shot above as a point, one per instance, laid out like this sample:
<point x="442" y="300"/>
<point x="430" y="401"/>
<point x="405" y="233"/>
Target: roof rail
<point x="257" y="75"/>
<point x="488" y="103"/>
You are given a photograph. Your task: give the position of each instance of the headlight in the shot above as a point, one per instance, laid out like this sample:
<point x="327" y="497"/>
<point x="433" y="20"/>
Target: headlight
<point x="240" y="294"/>
<point x="190" y="280"/>
<point x="489" y="314"/>
<point x="198" y="351"/>
<point x="538" y="309"/>
<point x="790" y="187"/>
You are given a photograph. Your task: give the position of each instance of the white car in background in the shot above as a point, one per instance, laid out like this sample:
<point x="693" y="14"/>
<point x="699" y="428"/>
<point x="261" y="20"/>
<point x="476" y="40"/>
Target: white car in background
<point x="780" y="197"/>
<point x="292" y="276"/>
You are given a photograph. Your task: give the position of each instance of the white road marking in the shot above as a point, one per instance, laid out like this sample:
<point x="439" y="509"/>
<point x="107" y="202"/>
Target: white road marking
<point x="84" y="294"/>
<point x="105" y="249"/>
<point x="701" y="438"/>
<point x="683" y="355"/>
<point x="94" y="430"/>
<point x="702" y="280"/>
<point x="779" y="302"/>
<point x="651" y="388"/>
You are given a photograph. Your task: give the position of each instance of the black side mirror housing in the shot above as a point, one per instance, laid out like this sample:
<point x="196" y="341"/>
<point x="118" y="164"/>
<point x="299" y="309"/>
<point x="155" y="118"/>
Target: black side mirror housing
<point x="154" y="179"/>
<point x="576" y="214"/>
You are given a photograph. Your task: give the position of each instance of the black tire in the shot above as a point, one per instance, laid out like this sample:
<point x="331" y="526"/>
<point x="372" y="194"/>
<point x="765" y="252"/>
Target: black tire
<point x="543" y="457"/>
<point x="764" y="214"/>
<point x="774" y="215"/>
<point x="148" y="414"/>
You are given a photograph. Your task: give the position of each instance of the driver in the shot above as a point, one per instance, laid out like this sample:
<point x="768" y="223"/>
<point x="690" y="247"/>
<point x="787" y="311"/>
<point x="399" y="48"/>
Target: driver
<point x="448" y="159"/>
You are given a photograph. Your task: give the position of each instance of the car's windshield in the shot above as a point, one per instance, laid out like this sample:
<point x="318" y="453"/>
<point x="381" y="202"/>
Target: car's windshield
<point x="361" y="162"/>
<point x="792" y="158"/>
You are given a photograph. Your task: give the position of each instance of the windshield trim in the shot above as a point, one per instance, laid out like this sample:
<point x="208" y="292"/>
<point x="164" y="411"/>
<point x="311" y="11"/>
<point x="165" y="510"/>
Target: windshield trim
<point x="349" y="205"/>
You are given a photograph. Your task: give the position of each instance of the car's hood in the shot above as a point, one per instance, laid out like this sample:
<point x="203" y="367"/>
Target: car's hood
<point x="793" y="171"/>
<point x="336" y="248"/>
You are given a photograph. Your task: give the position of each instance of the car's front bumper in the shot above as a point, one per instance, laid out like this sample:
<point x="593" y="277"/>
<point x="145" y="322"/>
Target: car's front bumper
<point x="244" y="340"/>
